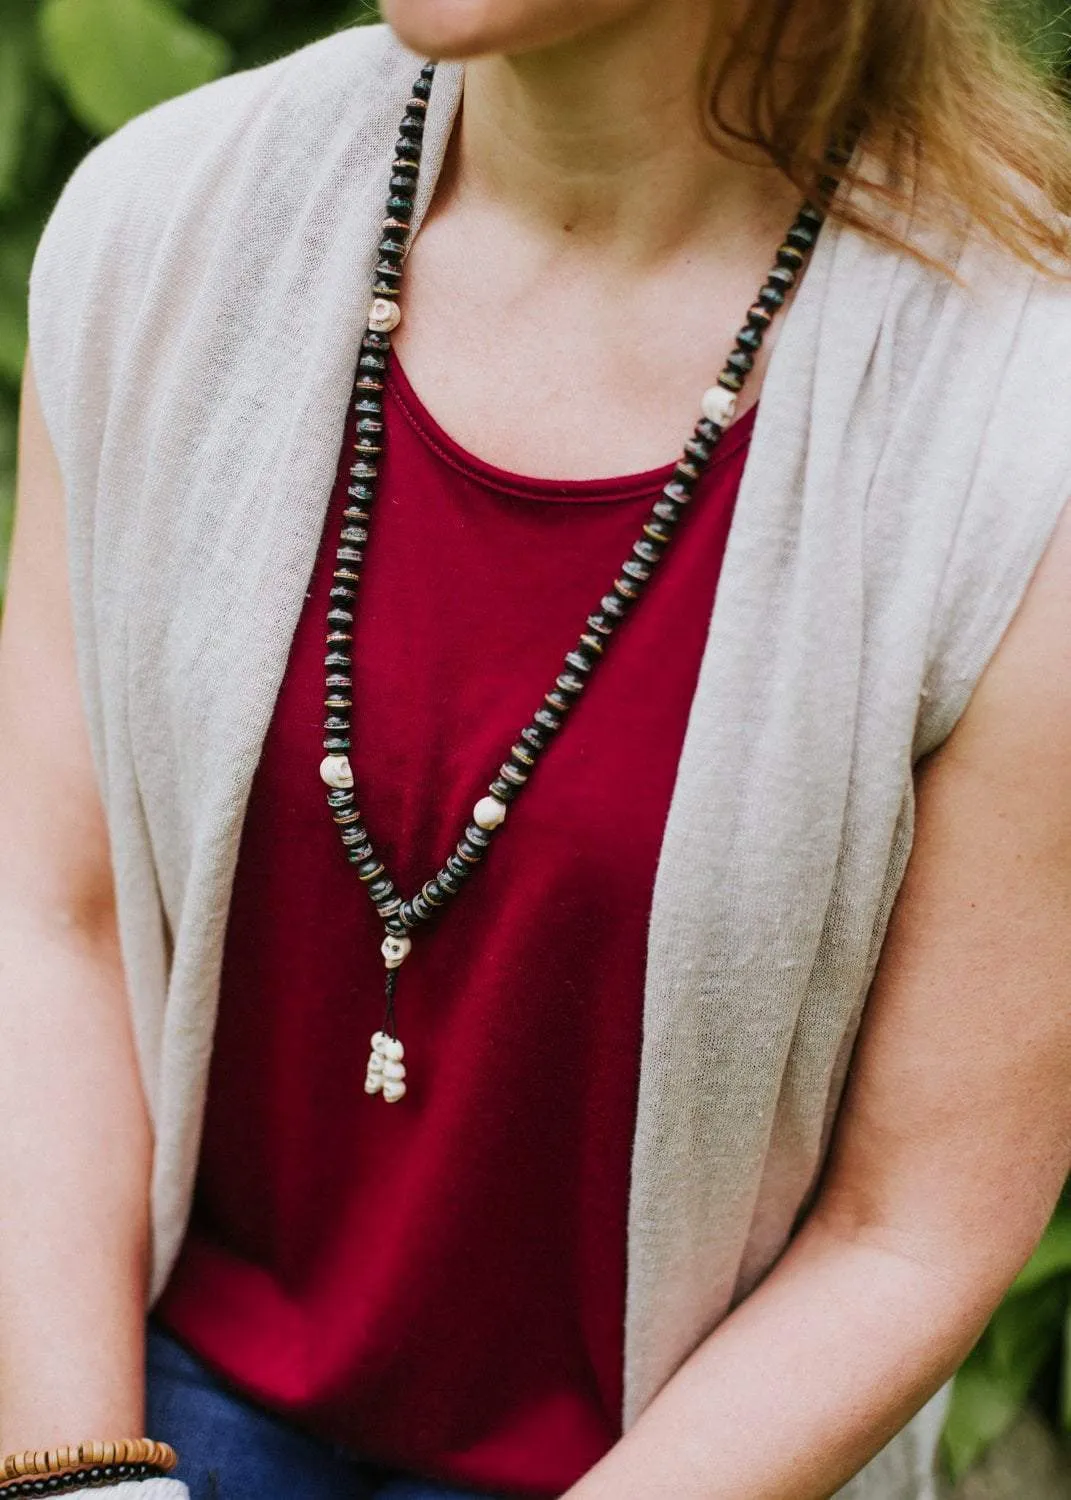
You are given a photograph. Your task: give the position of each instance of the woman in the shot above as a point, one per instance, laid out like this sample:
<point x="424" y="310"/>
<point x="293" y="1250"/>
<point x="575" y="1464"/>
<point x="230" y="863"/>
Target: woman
<point x="595" y="1213"/>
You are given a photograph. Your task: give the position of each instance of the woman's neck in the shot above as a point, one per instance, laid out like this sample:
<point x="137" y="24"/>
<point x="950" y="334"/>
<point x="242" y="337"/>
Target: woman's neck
<point x="602" y="138"/>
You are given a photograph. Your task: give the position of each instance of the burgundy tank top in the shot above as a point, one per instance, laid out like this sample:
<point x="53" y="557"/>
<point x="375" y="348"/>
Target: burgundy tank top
<point x="439" y="1284"/>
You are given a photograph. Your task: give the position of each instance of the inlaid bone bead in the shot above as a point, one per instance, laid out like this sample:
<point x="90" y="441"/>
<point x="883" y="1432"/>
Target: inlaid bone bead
<point x="719" y="405"/>
<point x="335" y="771"/>
<point x="384" y="316"/>
<point x="489" y="812"/>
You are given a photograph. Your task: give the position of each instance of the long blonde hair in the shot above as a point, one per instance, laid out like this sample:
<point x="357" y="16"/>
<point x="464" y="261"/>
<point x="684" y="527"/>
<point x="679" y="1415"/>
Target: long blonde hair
<point x="948" y="102"/>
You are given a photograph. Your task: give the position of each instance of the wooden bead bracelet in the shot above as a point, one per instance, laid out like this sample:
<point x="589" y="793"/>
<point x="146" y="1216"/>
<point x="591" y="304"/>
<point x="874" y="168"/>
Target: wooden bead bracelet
<point x="56" y="1461"/>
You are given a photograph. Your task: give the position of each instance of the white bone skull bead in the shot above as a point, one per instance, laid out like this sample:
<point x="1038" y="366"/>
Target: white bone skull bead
<point x="719" y="405"/>
<point x="336" y="772"/>
<point x="384" y="315"/>
<point x="395" y="950"/>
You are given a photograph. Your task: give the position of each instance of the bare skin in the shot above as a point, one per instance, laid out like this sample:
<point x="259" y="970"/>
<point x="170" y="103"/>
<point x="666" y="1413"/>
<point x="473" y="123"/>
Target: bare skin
<point x="582" y="225"/>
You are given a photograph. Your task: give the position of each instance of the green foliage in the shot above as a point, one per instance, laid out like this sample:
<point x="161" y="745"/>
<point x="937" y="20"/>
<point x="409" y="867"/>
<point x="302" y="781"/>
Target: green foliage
<point x="73" y="70"/>
<point x="1029" y="1335"/>
<point x="114" y="58"/>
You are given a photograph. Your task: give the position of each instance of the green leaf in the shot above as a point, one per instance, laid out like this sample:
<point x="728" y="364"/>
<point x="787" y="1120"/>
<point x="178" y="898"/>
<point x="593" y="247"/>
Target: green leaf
<point x="1065" y="1383"/>
<point x="1051" y="1258"/>
<point x="1023" y="1334"/>
<point x="17" y="80"/>
<point x="115" y="58"/>
<point x="993" y="1385"/>
<point x="982" y="1408"/>
<point x="17" y="243"/>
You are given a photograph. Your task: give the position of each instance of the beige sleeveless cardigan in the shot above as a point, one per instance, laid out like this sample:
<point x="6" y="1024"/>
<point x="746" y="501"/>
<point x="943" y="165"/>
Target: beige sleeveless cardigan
<point x="195" y="308"/>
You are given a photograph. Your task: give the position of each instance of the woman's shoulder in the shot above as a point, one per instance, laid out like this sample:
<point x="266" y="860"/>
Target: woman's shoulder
<point x="189" y="184"/>
<point x="135" y="177"/>
<point x="301" y="91"/>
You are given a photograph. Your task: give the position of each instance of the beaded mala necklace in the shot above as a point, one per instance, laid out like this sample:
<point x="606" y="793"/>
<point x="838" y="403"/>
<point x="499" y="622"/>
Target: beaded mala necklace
<point x="386" y="1069"/>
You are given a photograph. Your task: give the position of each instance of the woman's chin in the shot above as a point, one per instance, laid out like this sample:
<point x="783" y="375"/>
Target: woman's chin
<point x="473" y="28"/>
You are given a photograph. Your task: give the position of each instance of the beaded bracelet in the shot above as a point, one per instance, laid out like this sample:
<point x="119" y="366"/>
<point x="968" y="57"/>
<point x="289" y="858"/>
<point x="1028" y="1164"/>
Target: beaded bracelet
<point x="89" y="1455"/>
<point x="100" y="1476"/>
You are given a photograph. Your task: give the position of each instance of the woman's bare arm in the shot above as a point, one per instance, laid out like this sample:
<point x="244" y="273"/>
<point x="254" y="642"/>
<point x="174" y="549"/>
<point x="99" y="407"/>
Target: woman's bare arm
<point x="74" y="1140"/>
<point x="955" y="1138"/>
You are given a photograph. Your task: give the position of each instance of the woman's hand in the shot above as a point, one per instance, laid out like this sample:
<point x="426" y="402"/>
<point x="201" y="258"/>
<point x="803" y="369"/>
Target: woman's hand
<point x="954" y="1139"/>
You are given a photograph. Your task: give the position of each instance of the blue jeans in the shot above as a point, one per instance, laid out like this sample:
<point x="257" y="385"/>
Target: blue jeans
<point x="231" y="1449"/>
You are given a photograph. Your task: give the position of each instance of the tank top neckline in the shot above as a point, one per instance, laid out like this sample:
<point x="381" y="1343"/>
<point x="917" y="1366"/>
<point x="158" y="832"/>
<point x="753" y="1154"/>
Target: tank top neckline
<point x="524" y="487"/>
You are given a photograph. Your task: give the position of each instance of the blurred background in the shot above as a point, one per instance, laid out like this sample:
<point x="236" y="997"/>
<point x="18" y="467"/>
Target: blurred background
<point x="72" y="71"/>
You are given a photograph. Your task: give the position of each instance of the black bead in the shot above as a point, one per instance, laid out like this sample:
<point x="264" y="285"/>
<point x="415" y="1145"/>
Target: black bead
<point x="649" y="552"/>
<point x="802" y="236"/>
<point x="749" y="338"/>
<point x="394" y="924"/>
<point x="388" y="271"/>
<point x="372" y="361"/>
<point x="512" y="773"/>
<point x="627" y="588"/>
<point x="412" y="127"/>
<point x="433" y="893"/>
<point x="381" y="890"/>
<point x="392" y="249"/>
<point x="810" y="216"/>
<point x="458" y="868"/>
<point x="678" y="492"/>
<point x="547" y="719"/>
<point x="388" y="909"/>
<point x="364" y="494"/>
<point x="468" y="852"/>
<point x="534" y="737"/>
<point x="699" y="450"/>
<point x="368" y="869"/>
<point x="731" y="380"/>
<point x="357" y="534"/>
<point x="601" y="624"/>
<point x="336" y="744"/>
<point x="364" y="470"/>
<point x="741" y="361"/>
<point x="377" y="342"/>
<point x="658" y="531"/>
<point x="708" y="431"/>
<point x="336" y="659"/>
<point x="343" y="592"/>
<point x="772" y="297"/>
<point x="578" y="661"/>
<point x="359" y="853"/>
<point x="667" y="510"/>
<point x="637" y="570"/>
<point x="503" y="790"/>
<point x="790" y="257"/>
<point x="448" y="882"/>
<point x="479" y="837"/>
<point x="782" y="277"/>
<point x="408" y="915"/>
<point x="611" y="604"/>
